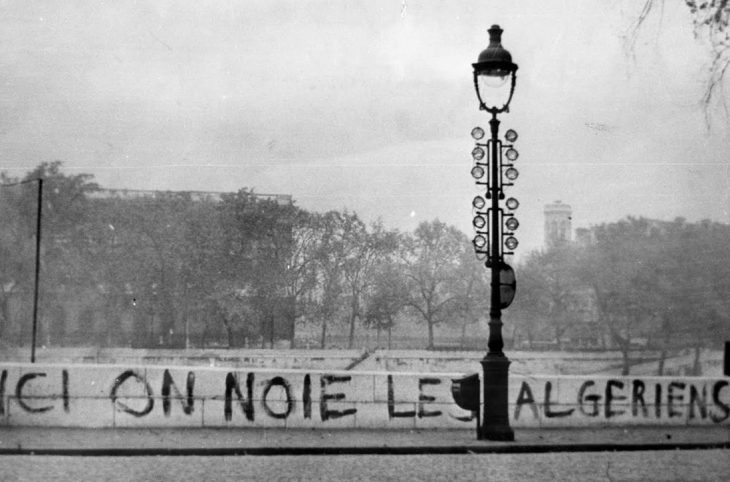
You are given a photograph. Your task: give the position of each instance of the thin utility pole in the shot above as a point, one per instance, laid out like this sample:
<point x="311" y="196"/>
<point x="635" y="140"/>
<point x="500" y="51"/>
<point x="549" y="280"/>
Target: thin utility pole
<point x="37" y="266"/>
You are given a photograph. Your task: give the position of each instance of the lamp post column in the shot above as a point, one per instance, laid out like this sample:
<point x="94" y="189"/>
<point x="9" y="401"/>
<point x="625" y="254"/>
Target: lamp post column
<point x="495" y="343"/>
<point x="495" y="365"/>
<point x="494" y="82"/>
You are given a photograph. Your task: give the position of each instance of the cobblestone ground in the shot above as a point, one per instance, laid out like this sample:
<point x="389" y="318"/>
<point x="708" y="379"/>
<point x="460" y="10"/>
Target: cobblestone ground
<point x="705" y="465"/>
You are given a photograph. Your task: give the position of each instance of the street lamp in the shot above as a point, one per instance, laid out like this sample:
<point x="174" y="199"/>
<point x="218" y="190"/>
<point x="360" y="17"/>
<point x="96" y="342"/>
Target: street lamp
<point x="494" y="82"/>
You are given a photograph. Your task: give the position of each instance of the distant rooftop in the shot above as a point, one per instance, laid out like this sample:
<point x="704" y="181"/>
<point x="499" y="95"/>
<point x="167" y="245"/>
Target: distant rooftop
<point x="557" y="206"/>
<point x="281" y="199"/>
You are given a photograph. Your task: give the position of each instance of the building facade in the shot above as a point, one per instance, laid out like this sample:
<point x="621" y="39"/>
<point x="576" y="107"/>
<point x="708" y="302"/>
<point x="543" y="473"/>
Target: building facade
<point x="156" y="269"/>
<point x="558" y="224"/>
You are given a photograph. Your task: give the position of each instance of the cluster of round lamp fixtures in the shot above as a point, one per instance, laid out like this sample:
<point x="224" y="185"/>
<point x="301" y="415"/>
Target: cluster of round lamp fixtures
<point x="506" y="173"/>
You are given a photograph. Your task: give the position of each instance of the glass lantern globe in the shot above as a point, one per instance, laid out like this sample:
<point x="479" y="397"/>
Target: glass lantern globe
<point x="477" y="153"/>
<point x="511" y="243"/>
<point x="512" y="154"/>
<point x="479" y="222"/>
<point x="511" y="173"/>
<point x="478" y="202"/>
<point x="510" y="135"/>
<point x="477" y="133"/>
<point x="479" y="241"/>
<point x="512" y="224"/>
<point x="477" y="172"/>
<point x="494" y="75"/>
<point x="512" y="203"/>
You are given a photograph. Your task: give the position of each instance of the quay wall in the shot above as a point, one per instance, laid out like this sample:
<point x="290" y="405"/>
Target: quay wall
<point x="86" y="395"/>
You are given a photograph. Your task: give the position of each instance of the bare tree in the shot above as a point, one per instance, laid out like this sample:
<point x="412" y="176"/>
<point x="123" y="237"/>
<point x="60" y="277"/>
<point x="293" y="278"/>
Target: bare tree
<point x="431" y="257"/>
<point x="710" y="19"/>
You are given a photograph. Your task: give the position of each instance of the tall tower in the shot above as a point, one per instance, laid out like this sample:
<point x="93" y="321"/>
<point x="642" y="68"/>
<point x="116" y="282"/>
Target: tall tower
<point x="558" y="218"/>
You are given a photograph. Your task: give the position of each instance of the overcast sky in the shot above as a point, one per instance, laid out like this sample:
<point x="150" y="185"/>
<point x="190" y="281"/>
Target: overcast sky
<point x="365" y="105"/>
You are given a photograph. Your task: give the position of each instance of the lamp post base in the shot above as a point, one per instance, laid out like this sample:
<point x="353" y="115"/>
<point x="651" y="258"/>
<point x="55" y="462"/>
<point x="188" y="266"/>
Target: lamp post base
<point x="495" y="419"/>
<point x="497" y="434"/>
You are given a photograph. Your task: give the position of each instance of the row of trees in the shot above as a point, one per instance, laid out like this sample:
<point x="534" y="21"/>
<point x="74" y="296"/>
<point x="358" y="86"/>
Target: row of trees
<point x="640" y="283"/>
<point x="166" y="268"/>
<point x="164" y="260"/>
<point x="195" y="266"/>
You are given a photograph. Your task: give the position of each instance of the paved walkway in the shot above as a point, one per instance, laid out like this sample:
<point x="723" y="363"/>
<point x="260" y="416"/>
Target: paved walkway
<point x="209" y="441"/>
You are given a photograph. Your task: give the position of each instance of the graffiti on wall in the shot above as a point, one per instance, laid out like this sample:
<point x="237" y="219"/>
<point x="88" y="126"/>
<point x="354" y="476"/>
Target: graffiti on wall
<point x="27" y="402"/>
<point x="626" y="398"/>
<point x="254" y="397"/>
<point x="319" y="397"/>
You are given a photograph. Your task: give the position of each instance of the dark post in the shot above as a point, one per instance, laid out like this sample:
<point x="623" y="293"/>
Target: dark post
<point x="495" y="343"/>
<point x="494" y="82"/>
<point x="37" y="267"/>
<point x="727" y="359"/>
<point x="495" y="365"/>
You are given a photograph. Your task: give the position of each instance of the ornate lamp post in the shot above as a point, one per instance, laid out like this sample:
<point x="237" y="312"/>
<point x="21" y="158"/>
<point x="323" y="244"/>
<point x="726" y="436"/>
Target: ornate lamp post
<point x="494" y="81"/>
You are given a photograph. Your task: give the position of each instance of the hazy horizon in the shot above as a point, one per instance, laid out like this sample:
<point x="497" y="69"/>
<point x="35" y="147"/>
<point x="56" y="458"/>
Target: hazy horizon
<point x="367" y="105"/>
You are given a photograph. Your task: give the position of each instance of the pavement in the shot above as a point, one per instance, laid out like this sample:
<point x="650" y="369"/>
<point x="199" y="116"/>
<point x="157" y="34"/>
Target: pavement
<point x="256" y="441"/>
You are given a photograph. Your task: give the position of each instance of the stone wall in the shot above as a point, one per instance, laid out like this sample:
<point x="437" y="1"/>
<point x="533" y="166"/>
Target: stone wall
<point x="567" y="401"/>
<point x="157" y="396"/>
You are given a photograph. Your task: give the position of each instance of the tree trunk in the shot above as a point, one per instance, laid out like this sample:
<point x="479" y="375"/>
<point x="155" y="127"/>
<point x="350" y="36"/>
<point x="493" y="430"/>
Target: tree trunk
<point x="377" y="336"/>
<point x="229" y="334"/>
<point x="354" y="308"/>
<point x="390" y="333"/>
<point x="430" y="335"/>
<point x="351" y="336"/>
<point x="4" y="315"/>
<point x="292" y="343"/>
<point x="167" y="318"/>
<point x="626" y="366"/>
<point x="667" y="338"/>
<point x="463" y="335"/>
<point x="696" y="368"/>
<point x="558" y="335"/>
<point x="324" y="333"/>
<point x="662" y="359"/>
<point x="262" y="329"/>
<point x="272" y="327"/>
<point x="203" y="336"/>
